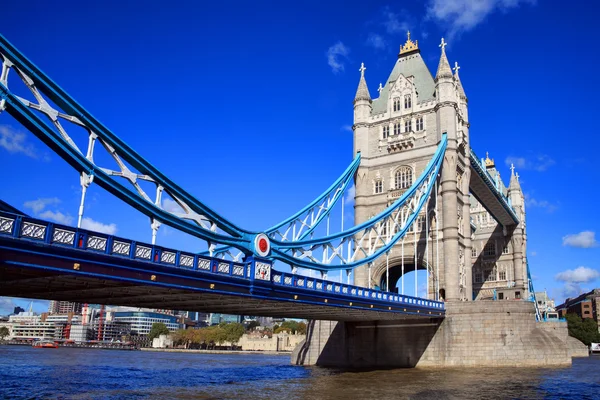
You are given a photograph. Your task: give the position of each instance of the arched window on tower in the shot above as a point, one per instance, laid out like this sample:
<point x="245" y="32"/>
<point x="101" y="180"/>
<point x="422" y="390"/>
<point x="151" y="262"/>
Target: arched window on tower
<point x="404" y="177"/>
<point x="397" y="128"/>
<point x="396" y="104"/>
<point x="407" y="101"/>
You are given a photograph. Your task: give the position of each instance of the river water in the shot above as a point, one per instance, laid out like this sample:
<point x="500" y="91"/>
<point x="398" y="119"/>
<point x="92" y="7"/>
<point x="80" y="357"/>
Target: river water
<point x="68" y="373"/>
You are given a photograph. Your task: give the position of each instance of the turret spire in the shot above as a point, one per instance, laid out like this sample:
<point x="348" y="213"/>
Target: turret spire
<point x="514" y="179"/>
<point x="443" y="70"/>
<point x="461" y="90"/>
<point x="362" y="93"/>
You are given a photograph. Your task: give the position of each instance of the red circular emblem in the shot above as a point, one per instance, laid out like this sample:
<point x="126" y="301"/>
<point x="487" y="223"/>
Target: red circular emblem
<point x="263" y="246"/>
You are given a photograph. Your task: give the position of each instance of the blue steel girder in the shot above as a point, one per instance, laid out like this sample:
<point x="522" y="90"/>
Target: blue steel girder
<point x="41" y="248"/>
<point x="488" y="193"/>
<point x="205" y="220"/>
<point x="365" y="242"/>
<point x="198" y="219"/>
<point x="305" y="221"/>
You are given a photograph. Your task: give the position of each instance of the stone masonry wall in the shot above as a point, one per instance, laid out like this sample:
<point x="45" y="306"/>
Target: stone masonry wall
<point x="494" y="333"/>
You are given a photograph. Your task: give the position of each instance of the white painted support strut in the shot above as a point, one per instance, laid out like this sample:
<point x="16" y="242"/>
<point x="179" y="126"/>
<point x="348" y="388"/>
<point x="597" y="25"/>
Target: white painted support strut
<point x="427" y="243"/>
<point x="402" y="265"/>
<point x="387" y="271"/>
<point x="85" y="180"/>
<point x="415" y="225"/>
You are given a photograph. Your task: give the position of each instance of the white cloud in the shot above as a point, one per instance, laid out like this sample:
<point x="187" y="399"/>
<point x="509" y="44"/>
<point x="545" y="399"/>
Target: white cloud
<point x="568" y="290"/>
<point x="578" y="275"/>
<point x="463" y="15"/>
<point x="347" y="128"/>
<point x="584" y="240"/>
<point x="16" y="142"/>
<point x="349" y="198"/>
<point x="392" y="22"/>
<point x="336" y="55"/>
<point x="90" y="224"/>
<point x="544" y="204"/>
<point x="172" y="206"/>
<point x="40" y="204"/>
<point x="539" y="163"/>
<point x="7" y="305"/>
<point x="376" y="41"/>
<point x="57" y="216"/>
<point x="533" y="253"/>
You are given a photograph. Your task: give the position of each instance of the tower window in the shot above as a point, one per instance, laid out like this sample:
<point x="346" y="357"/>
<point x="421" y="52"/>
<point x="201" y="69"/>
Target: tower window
<point x="396" y="104"/>
<point x="478" y="277"/>
<point x="502" y="275"/>
<point x="407" y="125"/>
<point x="407" y="101"/>
<point x="420" y="223"/>
<point x="505" y="249"/>
<point x="386" y="131"/>
<point x="378" y="186"/>
<point x="490" y="249"/>
<point x="419" y="124"/>
<point x="397" y="128"/>
<point x="404" y="178"/>
<point x="473" y="252"/>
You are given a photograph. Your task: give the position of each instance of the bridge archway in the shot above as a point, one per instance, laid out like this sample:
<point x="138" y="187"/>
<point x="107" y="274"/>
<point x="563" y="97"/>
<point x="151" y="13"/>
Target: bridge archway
<point x="425" y="273"/>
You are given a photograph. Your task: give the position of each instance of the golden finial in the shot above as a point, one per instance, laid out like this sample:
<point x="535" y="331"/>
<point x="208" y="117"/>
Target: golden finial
<point x="409" y="46"/>
<point x="489" y="162"/>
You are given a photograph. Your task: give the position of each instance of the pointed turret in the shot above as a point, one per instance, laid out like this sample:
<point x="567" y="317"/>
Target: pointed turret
<point x="362" y="93"/>
<point x="461" y="91"/>
<point x="443" y="70"/>
<point x="514" y="180"/>
<point x="362" y="112"/>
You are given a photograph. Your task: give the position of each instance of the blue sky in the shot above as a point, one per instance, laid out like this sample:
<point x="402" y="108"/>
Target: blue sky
<point x="248" y="105"/>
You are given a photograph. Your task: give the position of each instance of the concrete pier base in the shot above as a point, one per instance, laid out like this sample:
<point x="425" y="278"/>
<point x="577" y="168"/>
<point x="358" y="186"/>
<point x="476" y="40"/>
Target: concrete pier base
<point x="494" y="333"/>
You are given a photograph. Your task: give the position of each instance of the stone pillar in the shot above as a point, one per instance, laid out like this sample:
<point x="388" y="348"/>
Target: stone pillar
<point x="517" y="244"/>
<point x="450" y="224"/>
<point x="468" y="269"/>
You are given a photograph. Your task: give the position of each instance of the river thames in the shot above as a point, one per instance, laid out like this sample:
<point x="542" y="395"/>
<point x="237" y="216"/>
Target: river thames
<point x="67" y="373"/>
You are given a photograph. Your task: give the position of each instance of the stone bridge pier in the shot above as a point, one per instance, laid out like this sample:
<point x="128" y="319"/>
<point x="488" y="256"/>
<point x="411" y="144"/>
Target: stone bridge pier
<point x="484" y="333"/>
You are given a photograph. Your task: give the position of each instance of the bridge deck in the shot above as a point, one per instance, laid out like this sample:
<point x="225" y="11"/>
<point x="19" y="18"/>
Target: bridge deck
<point x="39" y="269"/>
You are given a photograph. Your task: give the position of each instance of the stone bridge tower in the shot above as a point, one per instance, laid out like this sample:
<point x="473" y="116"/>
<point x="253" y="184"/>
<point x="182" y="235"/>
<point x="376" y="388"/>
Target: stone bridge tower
<point x="397" y="134"/>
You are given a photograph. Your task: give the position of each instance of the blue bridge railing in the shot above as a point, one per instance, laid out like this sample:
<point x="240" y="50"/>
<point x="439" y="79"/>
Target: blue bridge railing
<point x="24" y="228"/>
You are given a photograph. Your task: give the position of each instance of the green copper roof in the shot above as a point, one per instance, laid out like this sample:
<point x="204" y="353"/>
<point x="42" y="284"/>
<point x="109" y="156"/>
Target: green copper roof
<point x="409" y="65"/>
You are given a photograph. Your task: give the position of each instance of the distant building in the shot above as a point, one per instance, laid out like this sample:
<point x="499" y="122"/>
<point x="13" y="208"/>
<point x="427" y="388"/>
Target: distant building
<point x="545" y="304"/>
<point x="39" y="330"/>
<point x="216" y="319"/>
<point x="278" y="342"/>
<point x="64" y="307"/>
<point x="24" y="317"/>
<point x="267" y="322"/>
<point x="111" y="331"/>
<point x="163" y="341"/>
<point x="201" y="319"/>
<point x="18" y="310"/>
<point x="141" y="321"/>
<point x="80" y="333"/>
<point x="586" y="305"/>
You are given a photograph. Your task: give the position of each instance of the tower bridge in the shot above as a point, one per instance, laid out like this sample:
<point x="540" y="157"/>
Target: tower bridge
<point x="424" y="200"/>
